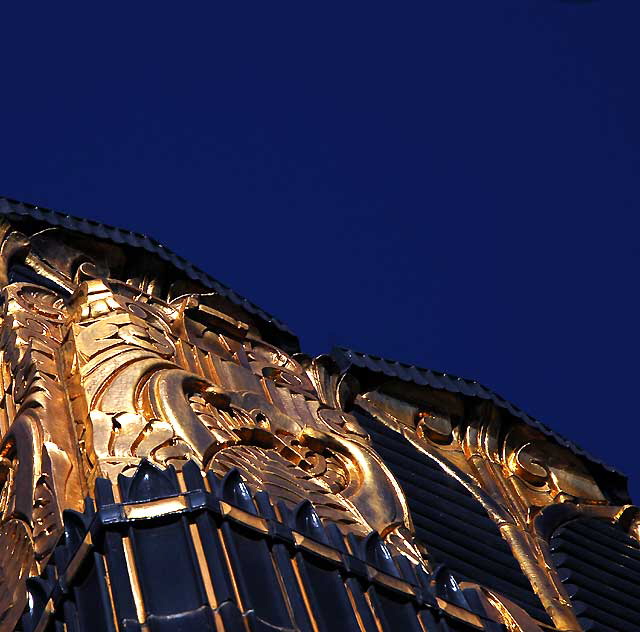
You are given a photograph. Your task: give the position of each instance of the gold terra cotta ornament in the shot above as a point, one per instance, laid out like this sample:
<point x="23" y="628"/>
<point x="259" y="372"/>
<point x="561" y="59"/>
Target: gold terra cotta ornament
<point x="107" y="358"/>
<point x="98" y="373"/>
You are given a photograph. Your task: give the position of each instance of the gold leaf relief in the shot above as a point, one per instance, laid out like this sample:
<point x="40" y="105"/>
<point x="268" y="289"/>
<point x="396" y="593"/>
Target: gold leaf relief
<point x="282" y="479"/>
<point x="16" y="562"/>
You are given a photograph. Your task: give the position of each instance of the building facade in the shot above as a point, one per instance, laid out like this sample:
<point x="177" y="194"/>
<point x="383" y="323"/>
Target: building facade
<point x="171" y="460"/>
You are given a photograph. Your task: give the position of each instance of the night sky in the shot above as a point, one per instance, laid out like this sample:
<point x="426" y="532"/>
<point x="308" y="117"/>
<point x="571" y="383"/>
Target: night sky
<point x="452" y="184"/>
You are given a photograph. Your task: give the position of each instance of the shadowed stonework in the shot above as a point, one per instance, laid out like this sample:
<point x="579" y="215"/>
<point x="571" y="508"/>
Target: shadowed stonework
<point x="172" y="461"/>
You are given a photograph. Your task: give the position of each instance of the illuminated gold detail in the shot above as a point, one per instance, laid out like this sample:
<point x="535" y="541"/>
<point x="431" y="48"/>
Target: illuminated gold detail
<point x="255" y="522"/>
<point x="200" y="555"/>
<point x="502" y="610"/>
<point x="357" y="612"/>
<point x="204" y="567"/>
<point x="105" y="361"/>
<point x="155" y="508"/>
<point x="135" y="581"/>
<point x="510" y="468"/>
<point x="232" y="575"/>
<point x="376" y="619"/>
<point x="97" y="372"/>
<point x="305" y="596"/>
<point x="107" y="577"/>
<point x="461" y="613"/>
<point x="78" y="558"/>
<point x="316" y="547"/>
<point x="391" y="582"/>
<point x="129" y="557"/>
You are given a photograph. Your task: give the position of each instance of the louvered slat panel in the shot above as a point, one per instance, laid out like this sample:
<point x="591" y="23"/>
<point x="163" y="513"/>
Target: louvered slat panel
<point x="441" y="507"/>
<point x="600" y="567"/>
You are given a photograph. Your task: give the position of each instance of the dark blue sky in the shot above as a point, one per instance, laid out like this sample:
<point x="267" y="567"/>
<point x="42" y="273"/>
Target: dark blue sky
<point x="452" y="184"/>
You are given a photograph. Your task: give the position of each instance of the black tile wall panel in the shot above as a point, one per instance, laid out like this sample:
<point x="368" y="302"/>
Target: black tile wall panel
<point x="600" y="566"/>
<point x="327" y="594"/>
<point x="277" y="575"/>
<point x="284" y="562"/>
<point x="396" y="614"/>
<point x="453" y="526"/>
<point x="91" y="597"/>
<point x="117" y="568"/>
<point x="256" y="575"/>
<point x="161" y="551"/>
<point x="282" y="559"/>
<point x="210" y="535"/>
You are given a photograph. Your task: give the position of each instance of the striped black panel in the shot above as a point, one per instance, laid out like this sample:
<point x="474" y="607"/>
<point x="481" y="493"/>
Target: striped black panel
<point x="453" y="526"/>
<point x="600" y="567"/>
